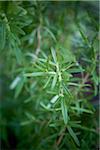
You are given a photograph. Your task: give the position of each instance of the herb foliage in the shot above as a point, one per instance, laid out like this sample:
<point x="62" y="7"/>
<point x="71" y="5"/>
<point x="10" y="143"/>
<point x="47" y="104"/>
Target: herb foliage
<point x="49" y="74"/>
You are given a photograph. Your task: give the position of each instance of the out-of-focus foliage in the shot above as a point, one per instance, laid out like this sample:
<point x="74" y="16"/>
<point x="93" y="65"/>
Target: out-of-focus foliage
<point x="49" y="75"/>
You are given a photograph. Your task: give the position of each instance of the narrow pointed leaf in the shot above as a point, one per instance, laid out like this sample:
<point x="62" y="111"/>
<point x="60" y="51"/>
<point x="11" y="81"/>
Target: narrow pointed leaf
<point x="19" y="87"/>
<point x="50" y="33"/>
<point x="54" y="99"/>
<point x="64" y="111"/>
<point x="82" y="110"/>
<point x="54" y="55"/>
<point x="54" y="81"/>
<point x="15" y="82"/>
<point x="30" y="116"/>
<point x="35" y="74"/>
<point x="2" y="35"/>
<point x="18" y="55"/>
<point x="46" y="84"/>
<point x="73" y="135"/>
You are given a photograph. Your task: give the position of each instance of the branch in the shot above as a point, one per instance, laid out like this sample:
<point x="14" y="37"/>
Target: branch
<point x="61" y="137"/>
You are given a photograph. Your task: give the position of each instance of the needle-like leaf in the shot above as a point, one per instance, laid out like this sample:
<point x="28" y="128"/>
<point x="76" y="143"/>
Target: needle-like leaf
<point x="54" y="81"/>
<point x="64" y="111"/>
<point x="54" y="99"/>
<point x="35" y="74"/>
<point x="2" y="35"/>
<point x="73" y="135"/>
<point x="54" y="55"/>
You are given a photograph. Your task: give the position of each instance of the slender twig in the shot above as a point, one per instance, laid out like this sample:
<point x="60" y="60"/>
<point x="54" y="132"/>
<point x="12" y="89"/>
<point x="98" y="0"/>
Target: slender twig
<point x="85" y="78"/>
<point x="83" y="82"/>
<point x="61" y="137"/>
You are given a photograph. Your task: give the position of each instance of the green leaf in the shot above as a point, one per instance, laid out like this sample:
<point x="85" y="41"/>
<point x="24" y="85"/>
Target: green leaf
<point x="53" y="52"/>
<point x="19" y="87"/>
<point x="73" y="135"/>
<point x="35" y="74"/>
<point x="67" y="91"/>
<point x="18" y="55"/>
<point x="75" y="70"/>
<point x="2" y="35"/>
<point x="14" y="44"/>
<point x="17" y="30"/>
<point x="64" y="111"/>
<point x="15" y="82"/>
<point x="54" y="81"/>
<point x="25" y="123"/>
<point x="30" y="116"/>
<point x="70" y="143"/>
<point x="83" y="35"/>
<point x="54" y="99"/>
<point x="47" y="82"/>
<point x="76" y="125"/>
<point x="82" y="110"/>
<point x="52" y="35"/>
<point x="46" y="107"/>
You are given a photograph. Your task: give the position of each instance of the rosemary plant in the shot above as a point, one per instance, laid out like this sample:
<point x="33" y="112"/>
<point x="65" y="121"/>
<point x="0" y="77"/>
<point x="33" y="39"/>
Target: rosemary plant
<point x="49" y="75"/>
